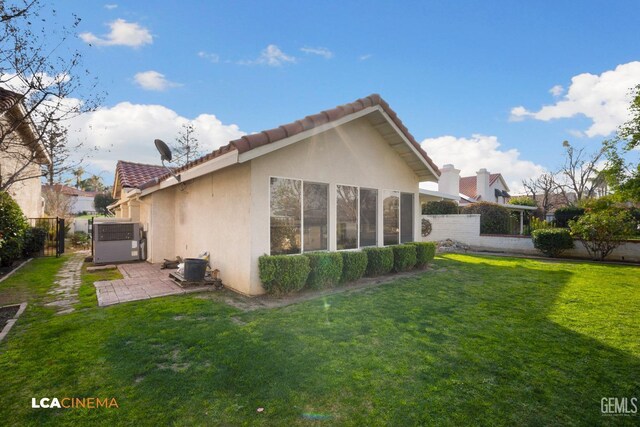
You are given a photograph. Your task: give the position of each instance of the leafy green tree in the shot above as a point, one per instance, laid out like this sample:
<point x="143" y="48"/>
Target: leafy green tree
<point x="601" y="231"/>
<point x="13" y="226"/>
<point x="101" y="201"/>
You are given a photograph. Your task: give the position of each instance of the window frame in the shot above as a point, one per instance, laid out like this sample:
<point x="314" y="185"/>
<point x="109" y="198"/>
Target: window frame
<point x="357" y="218"/>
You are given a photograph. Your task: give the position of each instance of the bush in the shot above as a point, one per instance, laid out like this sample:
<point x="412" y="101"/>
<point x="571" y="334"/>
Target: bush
<point x="441" y="207"/>
<point x="522" y="201"/>
<point x="34" y="241"/>
<point x="13" y="226"/>
<point x="539" y="224"/>
<point x="552" y="241"/>
<point x="601" y="232"/>
<point x="566" y="214"/>
<point x="404" y="257"/>
<point x="425" y="252"/>
<point x="282" y="274"/>
<point x="354" y="264"/>
<point x="494" y="219"/>
<point x="379" y="261"/>
<point x="80" y="238"/>
<point x="326" y="269"/>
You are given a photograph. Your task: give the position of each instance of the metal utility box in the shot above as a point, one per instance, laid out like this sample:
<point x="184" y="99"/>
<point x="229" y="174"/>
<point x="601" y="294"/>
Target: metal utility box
<point x="116" y="242"/>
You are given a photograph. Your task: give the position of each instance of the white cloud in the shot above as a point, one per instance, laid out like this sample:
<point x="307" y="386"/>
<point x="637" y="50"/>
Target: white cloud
<point x="212" y="57"/>
<point x="320" y="51"/>
<point x="126" y="132"/>
<point x="271" y="56"/>
<point x="482" y="151"/>
<point x="602" y="98"/>
<point x="153" y="80"/>
<point x="122" y="33"/>
<point x="557" y="90"/>
<point x="364" y="57"/>
<point x="110" y="6"/>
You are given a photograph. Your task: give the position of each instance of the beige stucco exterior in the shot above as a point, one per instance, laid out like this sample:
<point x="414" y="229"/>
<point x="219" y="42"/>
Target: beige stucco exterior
<point x="27" y="193"/>
<point x="227" y="212"/>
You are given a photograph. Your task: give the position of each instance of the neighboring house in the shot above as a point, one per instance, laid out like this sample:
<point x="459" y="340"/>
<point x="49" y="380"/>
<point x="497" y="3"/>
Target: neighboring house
<point x="20" y="147"/>
<point x="81" y="201"/>
<point x="342" y="179"/>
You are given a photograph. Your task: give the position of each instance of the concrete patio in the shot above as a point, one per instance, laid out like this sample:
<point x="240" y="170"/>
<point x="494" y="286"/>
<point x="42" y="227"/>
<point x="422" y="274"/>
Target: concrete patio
<point x="141" y="281"/>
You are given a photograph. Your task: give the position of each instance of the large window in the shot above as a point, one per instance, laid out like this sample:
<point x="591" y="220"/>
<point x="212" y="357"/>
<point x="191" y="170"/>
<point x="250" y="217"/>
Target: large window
<point x="347" y="217"/>
<point x="406" y="217"/>
<point x="391" y="225"/>
<point x="368" y="217"/>
<point x="316" y="216"/>
<point x="286" y="199"/>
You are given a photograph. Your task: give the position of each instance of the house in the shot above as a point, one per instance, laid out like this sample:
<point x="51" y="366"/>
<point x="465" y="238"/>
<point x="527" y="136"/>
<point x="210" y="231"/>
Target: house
<point x="81" y="201"/>
<point x="21" y="154"/>
<point x="342" y="179"/>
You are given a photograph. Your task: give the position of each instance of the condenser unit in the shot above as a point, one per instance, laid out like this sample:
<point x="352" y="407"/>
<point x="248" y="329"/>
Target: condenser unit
<point x="116" y="242"/>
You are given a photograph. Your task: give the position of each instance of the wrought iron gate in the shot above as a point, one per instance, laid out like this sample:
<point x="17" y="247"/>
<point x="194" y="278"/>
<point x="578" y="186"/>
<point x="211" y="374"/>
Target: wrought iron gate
<point x="54" y="232"/>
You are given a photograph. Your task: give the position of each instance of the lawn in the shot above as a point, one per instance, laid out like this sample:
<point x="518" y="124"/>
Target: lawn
<point x="476" y="340"/>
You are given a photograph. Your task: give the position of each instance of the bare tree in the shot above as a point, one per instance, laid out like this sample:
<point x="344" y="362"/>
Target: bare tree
<point x="187" y="147"/>
<point x="579" y="174"/>
<point x="42" y="84"/>
<point x="56" y="203"/>
<point x="57" y="147"/>
<point x="542" y="190"/>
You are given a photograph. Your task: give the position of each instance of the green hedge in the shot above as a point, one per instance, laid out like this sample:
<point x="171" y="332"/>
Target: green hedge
<point x="494" y="219"/>
<point x="425" y="252"/>
<point x="379" y="261"/>
<point x="282" y="274"/>
<point x="354" y="265"/>
<point x="404" y="257"/>
<point x="568" y="213"/>
<point x="326" y="269"/>
<point x="34" y="241"/>
<point x="552" y="241"/>
<point x="440" y="207"/>
<point x="13" y="226"/>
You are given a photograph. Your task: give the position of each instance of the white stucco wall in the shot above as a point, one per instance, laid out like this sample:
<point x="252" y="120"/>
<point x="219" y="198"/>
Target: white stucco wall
<point x="463" y="228"/>
<point x="352" y="154"/>
<point x="27" y="193"/>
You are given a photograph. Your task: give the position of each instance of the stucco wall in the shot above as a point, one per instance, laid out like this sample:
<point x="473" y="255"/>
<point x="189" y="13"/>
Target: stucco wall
<point x="464" y="228"/>
<point x="351" y="154"/>
<point x="27" y="193"/>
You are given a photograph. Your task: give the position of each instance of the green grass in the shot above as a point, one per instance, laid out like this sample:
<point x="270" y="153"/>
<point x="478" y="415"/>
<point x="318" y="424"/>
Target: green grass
<point x="478" y="340"/>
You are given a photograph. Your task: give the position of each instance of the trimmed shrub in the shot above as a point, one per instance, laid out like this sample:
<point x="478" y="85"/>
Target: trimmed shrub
<point x="425" y="252"/>
<point x="326" y="269"/>
<point x="282" y="274"/>
<point x="404" y="257"/>
<point x="379" y="261"/>
<point x="552" y="241"/>
<point x="354" y="264"/>
<point x="566" y="214"/>
<point x="34" y="241"/>
<point x="494" y="219"/>
<point x="522" y="201"/>
<point x="440" y="207"/>
<point x="13" y="225"/>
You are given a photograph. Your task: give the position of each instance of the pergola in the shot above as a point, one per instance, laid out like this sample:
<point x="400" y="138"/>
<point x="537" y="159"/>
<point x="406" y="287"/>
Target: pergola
<point x="521" y="209"/>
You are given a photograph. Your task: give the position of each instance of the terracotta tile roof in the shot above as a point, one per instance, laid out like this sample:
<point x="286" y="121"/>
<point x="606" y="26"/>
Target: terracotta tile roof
<point x="469" y="184"/>
<point x="69" y="191"/>
<point x="249" y="142"/>
<point x="133" y="175"/>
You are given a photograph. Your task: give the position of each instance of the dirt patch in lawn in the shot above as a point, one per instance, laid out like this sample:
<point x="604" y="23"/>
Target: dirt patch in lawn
<point x="7" y="313"/>
<point x="246" y="303"/>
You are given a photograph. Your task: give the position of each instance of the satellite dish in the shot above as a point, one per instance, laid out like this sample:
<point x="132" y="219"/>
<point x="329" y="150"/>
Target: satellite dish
<point x="165" y="154"/>
<point x="163" y="149"/>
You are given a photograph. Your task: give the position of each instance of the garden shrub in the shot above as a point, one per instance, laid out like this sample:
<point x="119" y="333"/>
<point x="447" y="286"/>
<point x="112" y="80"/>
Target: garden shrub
<point x="440" y="207"/>
<point x="600" y="232"/>
<point x="282" y="274"/>
<point x="34" y="241"/>
<point x="425" y="252"/>
<point x="326" y="269"/>
<point x="522" y="201"/>
<point x="354" y="264"/>
<point x="552" y="241"/>
<point x="379" y="261"/>
<point x="566" y="214"/>
<point x="80" y="238"/>
<point x="494" y="219"/>
<point x="404" y="257"/>
<point x="13" y="226"/>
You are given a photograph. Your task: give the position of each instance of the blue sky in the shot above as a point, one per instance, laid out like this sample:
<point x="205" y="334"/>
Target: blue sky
<point x="455" y="72"/>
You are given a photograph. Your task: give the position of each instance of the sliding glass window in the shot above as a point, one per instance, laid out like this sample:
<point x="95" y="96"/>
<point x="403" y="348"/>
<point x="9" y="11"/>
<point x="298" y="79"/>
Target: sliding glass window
<point x="391" y="211"/>
<point x="368" y="217"/>
<point x="286" y="204"/>
<point x="347" y="217"/>
<point x="406" y="217"/>
<point x="316" y="216"/>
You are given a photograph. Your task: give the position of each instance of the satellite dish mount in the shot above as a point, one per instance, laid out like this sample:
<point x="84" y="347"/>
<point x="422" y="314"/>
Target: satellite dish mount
<point x="165" y="154"/>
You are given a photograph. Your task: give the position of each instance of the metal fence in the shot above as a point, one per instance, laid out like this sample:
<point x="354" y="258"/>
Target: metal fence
<point x="54" y="229"/>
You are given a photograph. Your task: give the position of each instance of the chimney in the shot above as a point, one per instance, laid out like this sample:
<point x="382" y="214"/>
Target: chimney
<point x="449" y="181"/>
<point x="482" y="185"/>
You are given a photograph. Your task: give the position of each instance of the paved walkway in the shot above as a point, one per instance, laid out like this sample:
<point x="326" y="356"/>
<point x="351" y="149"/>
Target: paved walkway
<point x="141" y="281"/>
<point x="65" y="291"/>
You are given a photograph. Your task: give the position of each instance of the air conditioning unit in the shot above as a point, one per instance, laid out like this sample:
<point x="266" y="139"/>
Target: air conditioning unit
<point x="116" y="242"/>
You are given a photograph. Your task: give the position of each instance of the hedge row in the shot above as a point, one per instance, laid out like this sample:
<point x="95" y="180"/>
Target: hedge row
<point x="283" y="274"/>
